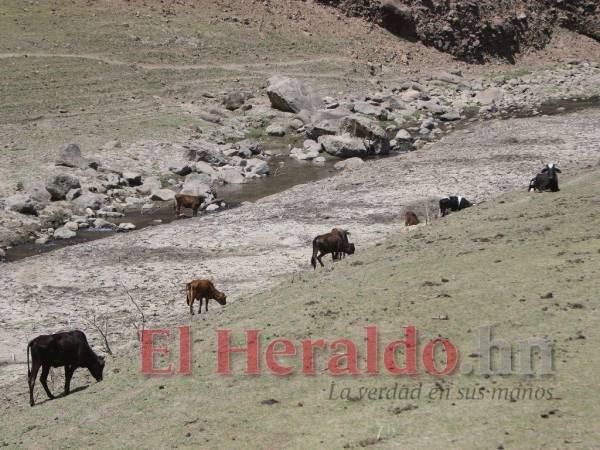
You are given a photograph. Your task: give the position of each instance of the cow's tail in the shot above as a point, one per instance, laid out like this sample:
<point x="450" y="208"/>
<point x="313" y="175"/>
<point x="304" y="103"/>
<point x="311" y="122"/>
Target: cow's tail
<point x="188" y="292"/>
<point x="28" y="366"/>
<point x="313" y="260"/>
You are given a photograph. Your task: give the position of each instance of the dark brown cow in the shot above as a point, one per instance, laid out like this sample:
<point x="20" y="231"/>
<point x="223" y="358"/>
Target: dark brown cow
<point x="69" y="349"/>
<point x="411" y="219"/>
<point x="335" y="242"/>
<point x="203" y="289"/>
<point x="188" y="201"/>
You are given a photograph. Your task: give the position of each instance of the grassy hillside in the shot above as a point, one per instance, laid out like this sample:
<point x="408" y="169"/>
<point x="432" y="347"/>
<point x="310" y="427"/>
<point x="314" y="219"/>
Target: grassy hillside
<point x="492" y="265"/>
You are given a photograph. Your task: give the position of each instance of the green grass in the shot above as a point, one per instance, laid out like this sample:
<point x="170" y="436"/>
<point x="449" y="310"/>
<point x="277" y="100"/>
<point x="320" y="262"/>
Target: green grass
<point x="499" y="260"/>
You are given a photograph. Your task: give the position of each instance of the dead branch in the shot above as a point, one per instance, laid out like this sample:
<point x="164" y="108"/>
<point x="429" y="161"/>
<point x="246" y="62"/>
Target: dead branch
<point x="104" y="333"/>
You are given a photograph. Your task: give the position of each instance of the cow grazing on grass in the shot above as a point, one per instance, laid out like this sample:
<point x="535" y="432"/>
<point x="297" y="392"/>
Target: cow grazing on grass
<point x="69" y="349"/>
<point x="203" y="289"/>
<point x="453" y="203"/>
<point x="411" y="219"/>
<point x="334" y="242"/>
<point x="546" y="180"/>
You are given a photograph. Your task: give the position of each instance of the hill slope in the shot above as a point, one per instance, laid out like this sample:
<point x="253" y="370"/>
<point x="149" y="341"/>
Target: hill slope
<point x="499" y="261"/>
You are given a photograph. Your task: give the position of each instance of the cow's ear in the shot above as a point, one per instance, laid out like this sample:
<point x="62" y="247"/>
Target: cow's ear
<point x="557" y="169"/>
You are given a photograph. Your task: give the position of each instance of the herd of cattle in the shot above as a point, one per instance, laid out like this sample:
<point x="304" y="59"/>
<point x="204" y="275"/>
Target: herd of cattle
<point x="71" y="349"/>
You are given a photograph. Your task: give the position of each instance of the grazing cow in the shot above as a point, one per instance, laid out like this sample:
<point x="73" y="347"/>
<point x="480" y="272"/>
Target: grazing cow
<point x="453" y="203"/>
<point x="69" y="349"/>
<point x="335" y="242"/>
<point x="546" y="180"/>
<point x="411" y="219"/>
<point x="188" y="201"/>
<point x="203" y="289"/>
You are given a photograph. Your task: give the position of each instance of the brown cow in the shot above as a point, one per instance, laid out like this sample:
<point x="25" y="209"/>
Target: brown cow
<point x="203" y="289"/>
<point x="335" y="242"/>
<point x="188" y="201"/>
<point x="411" y="219"/>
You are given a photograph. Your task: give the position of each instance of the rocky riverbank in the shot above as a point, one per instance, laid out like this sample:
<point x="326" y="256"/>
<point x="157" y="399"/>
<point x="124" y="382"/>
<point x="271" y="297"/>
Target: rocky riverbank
<point x="94" y="190"/>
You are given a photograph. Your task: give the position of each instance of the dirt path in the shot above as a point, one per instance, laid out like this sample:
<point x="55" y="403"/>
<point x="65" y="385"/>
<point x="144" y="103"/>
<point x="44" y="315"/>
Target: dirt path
<point x="249" y="249"/>
<point x="267" y="65"/>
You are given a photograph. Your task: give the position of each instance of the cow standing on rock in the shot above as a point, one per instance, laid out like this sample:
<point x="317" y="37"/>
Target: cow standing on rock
<point x="334" y="242"/>
<point x="69" y="349"/>
<point x="453" y="203"/>
<point x="546" y="180"/>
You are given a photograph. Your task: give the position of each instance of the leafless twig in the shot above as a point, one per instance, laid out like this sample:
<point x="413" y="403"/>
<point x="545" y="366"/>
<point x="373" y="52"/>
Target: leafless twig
<point x="103" y="332"/>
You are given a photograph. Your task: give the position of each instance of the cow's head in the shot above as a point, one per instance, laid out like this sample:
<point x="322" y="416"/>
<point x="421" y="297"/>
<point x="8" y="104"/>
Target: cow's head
<point x="221" y="298"/>
<point x="350" y="249"/>
<point x="551" y="170"/>
<point x="96" y="367"/>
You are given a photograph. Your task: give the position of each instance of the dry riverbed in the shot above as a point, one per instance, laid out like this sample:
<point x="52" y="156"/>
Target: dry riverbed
<point x="249" y="249"/>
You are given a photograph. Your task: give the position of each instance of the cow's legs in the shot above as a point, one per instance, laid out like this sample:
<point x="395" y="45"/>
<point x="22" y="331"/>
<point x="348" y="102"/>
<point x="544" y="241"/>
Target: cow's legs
<point x="319" y="259"/>
<point x="192" y="305"/>
<point x="68" y="375"/>
<point x="195" y="211"/>
<point x="32" y="377"/>
<point x="206" y="307"/>
<point x="200" y="307"/>
<point x="44" y="380"/>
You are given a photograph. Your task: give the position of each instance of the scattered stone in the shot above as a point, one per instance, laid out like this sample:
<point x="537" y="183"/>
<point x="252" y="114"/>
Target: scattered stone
<point x="73" y="226"/>
<point x="275" y="130"/>
<point x="235" y="100"/>
<point x="163" y="195"/>
<point x="64" y="233"/>
<point x="490" y="96"/>
<point x="71" y="156"/>
<point x="198" y="184"/>
<point x="90" y="200"/>
<point x="450" y="116"/>
<point x="60" y="185"/>
<point x="344" y="146"/>
<point x="150" y="185"/>
<point x="133" y="178"/>
<point x="102" y="224"/>
<point x="23" y="203"/>
<point x="180" y="168"/>
<point x="126" y="226"/>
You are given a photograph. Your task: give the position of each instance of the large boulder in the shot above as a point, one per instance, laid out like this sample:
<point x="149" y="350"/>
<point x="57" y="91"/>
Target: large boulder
<point x="23" y="203"/>
<point x="91" y="200"/>
<point x="257" y="167"/>
<point x="201" y="150"/>
<point x="344" y="146"/>
<point x="198" y="184"/>
<point x="235" y="100"/>
<point x="150" y="185"/>
<point x="64" y="233"/>
<point x="231" y="175"/>
<point x="70" y="156"/>
<point x="365" y="128"/>
<point x="322" y="128"/>
<point x="180" y="168"/>
<point x="489" y="96"/>
<point x="60" y="185"/>
<point x="133" y="178"/>
<point x="162" y="195"/>
<point x="291" y="95"/>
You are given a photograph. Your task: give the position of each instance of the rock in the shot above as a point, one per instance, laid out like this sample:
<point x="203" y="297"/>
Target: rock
<point x="450" y="116"/>
<point x="235" y="100"/>
<point x="64" y="233"/>
<point x="403" y="135"/>
<point x="249" y="147"/>
<point x="343" y="146"/>
<point x="209" y="117"/>
<point x="205" y="168"/>
<point x="370" y="110"/>
<point x="291" y="95"/>
<point x="321" y="128"/>
<point x="55" y="214"/>
<point x="126" y="226"/>
<point x="60" y="185"/>
<point x="198" y="184"/>
<point x="448" y="78"/>
<point x="133" y="178"/>
<point x="114" y="181"/>
<point x="349" y="164"/>
<point x="231" y="175"/>
<point x="212" y="207"/>
<point x="275" y="130"/>
<point x="257" y="166"/>
<point x="42" y="240"/>
<point x="150" y="185"/>
<point x="163" y="195"/>
<point x="180" y="168"/>
<point x="70" y="156"/>
<point x="73" y="226"/>
<point x="90" y="200"/>
<point x="23" y="203"/>
<point x="110" y="145"/>
<point x="410" y="95"/>
<point x="201" y="150"/>
<point x="431" y="106"/>
<point x="365" y="128"/>
<point x="2" y="255"/>
<point x="489" y="96"/>
<point x="319" y="160"/>
<point x="101" y="224"/>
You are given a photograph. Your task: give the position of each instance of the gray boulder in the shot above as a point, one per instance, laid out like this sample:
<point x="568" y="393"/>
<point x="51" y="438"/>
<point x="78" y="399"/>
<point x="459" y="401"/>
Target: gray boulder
<point x="70" y="156"/>
<point x="235" y="100"/>
<point x="198" y="184"/>
<point x="349" y="164"/>
<point x="365" y="128"/>
<point x="90" y="200"/>
<point x="133" y="178"/>
<point x="60" y="185"/>
<point x="291" y="95"/>
<point x="275" y="130"/>
<point x="180" y="168"/>
<point x="162" y="195"/>
<point x="489" y="96"/>
<point x="150" y="185"/>
<point x="201" y="150"/>
<point x="321" y="128"/>
<point x="344" y="146"/>
<point x="64" y="233"/>
<point x="231" y="175"/>
<point x="23" y="203"/>
<point x="450" y="116"/>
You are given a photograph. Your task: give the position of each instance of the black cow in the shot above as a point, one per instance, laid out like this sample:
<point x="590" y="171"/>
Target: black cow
<point x="453" y="204"/>
<point x="69" y="349"/>
<point x="335" y="242"/>
<point x="546" y="180"/>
